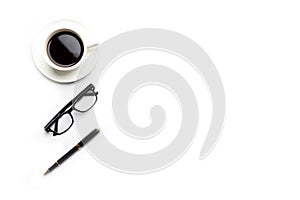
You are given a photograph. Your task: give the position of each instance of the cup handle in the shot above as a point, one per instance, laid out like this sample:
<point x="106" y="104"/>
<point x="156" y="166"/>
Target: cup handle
<point x="92" y="46"/>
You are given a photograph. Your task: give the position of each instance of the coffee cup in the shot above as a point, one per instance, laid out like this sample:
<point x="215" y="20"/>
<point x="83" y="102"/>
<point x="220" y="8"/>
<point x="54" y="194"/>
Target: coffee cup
<point x="65" y="49"/>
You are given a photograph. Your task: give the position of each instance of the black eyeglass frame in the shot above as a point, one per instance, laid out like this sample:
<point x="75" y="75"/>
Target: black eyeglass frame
<point x="67" y="109"/>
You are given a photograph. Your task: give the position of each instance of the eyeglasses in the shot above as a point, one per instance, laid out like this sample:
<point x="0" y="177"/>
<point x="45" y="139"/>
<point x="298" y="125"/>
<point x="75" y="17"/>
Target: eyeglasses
<point x="82" y="103"/>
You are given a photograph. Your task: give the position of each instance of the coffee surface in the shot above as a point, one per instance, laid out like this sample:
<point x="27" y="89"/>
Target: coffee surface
<point x="65" y="49"/>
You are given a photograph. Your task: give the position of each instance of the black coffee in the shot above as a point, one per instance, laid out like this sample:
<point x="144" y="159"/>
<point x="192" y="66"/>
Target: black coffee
<point x="65" y="49"/>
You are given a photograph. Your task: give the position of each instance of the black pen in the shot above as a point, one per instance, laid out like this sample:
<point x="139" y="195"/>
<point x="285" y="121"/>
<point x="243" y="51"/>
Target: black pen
<point x="77" y="147"/>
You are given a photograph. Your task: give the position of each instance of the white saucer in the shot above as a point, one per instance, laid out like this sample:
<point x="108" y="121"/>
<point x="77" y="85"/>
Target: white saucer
<point x="63" y="76"/>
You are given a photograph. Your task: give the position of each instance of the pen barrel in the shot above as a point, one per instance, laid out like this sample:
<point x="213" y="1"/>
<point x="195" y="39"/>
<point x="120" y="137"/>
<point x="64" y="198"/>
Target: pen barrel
<point x="69" y="153"/>
<point x="84" y="141"/>
<point x="78" y="146"/>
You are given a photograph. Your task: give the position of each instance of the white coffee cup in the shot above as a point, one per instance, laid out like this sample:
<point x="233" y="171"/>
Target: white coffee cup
<point x="59" y="67"/>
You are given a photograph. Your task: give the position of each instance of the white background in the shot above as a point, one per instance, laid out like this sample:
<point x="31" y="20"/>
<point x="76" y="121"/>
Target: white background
<point x="255" y="46"/>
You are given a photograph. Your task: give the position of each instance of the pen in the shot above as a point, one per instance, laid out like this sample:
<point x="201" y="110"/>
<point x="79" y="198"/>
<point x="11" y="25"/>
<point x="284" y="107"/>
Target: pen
<point x="77" y="147"/>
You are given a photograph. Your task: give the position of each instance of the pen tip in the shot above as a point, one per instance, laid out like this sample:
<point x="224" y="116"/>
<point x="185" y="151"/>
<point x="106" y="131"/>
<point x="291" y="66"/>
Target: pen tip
<point x="47" y="172"/>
